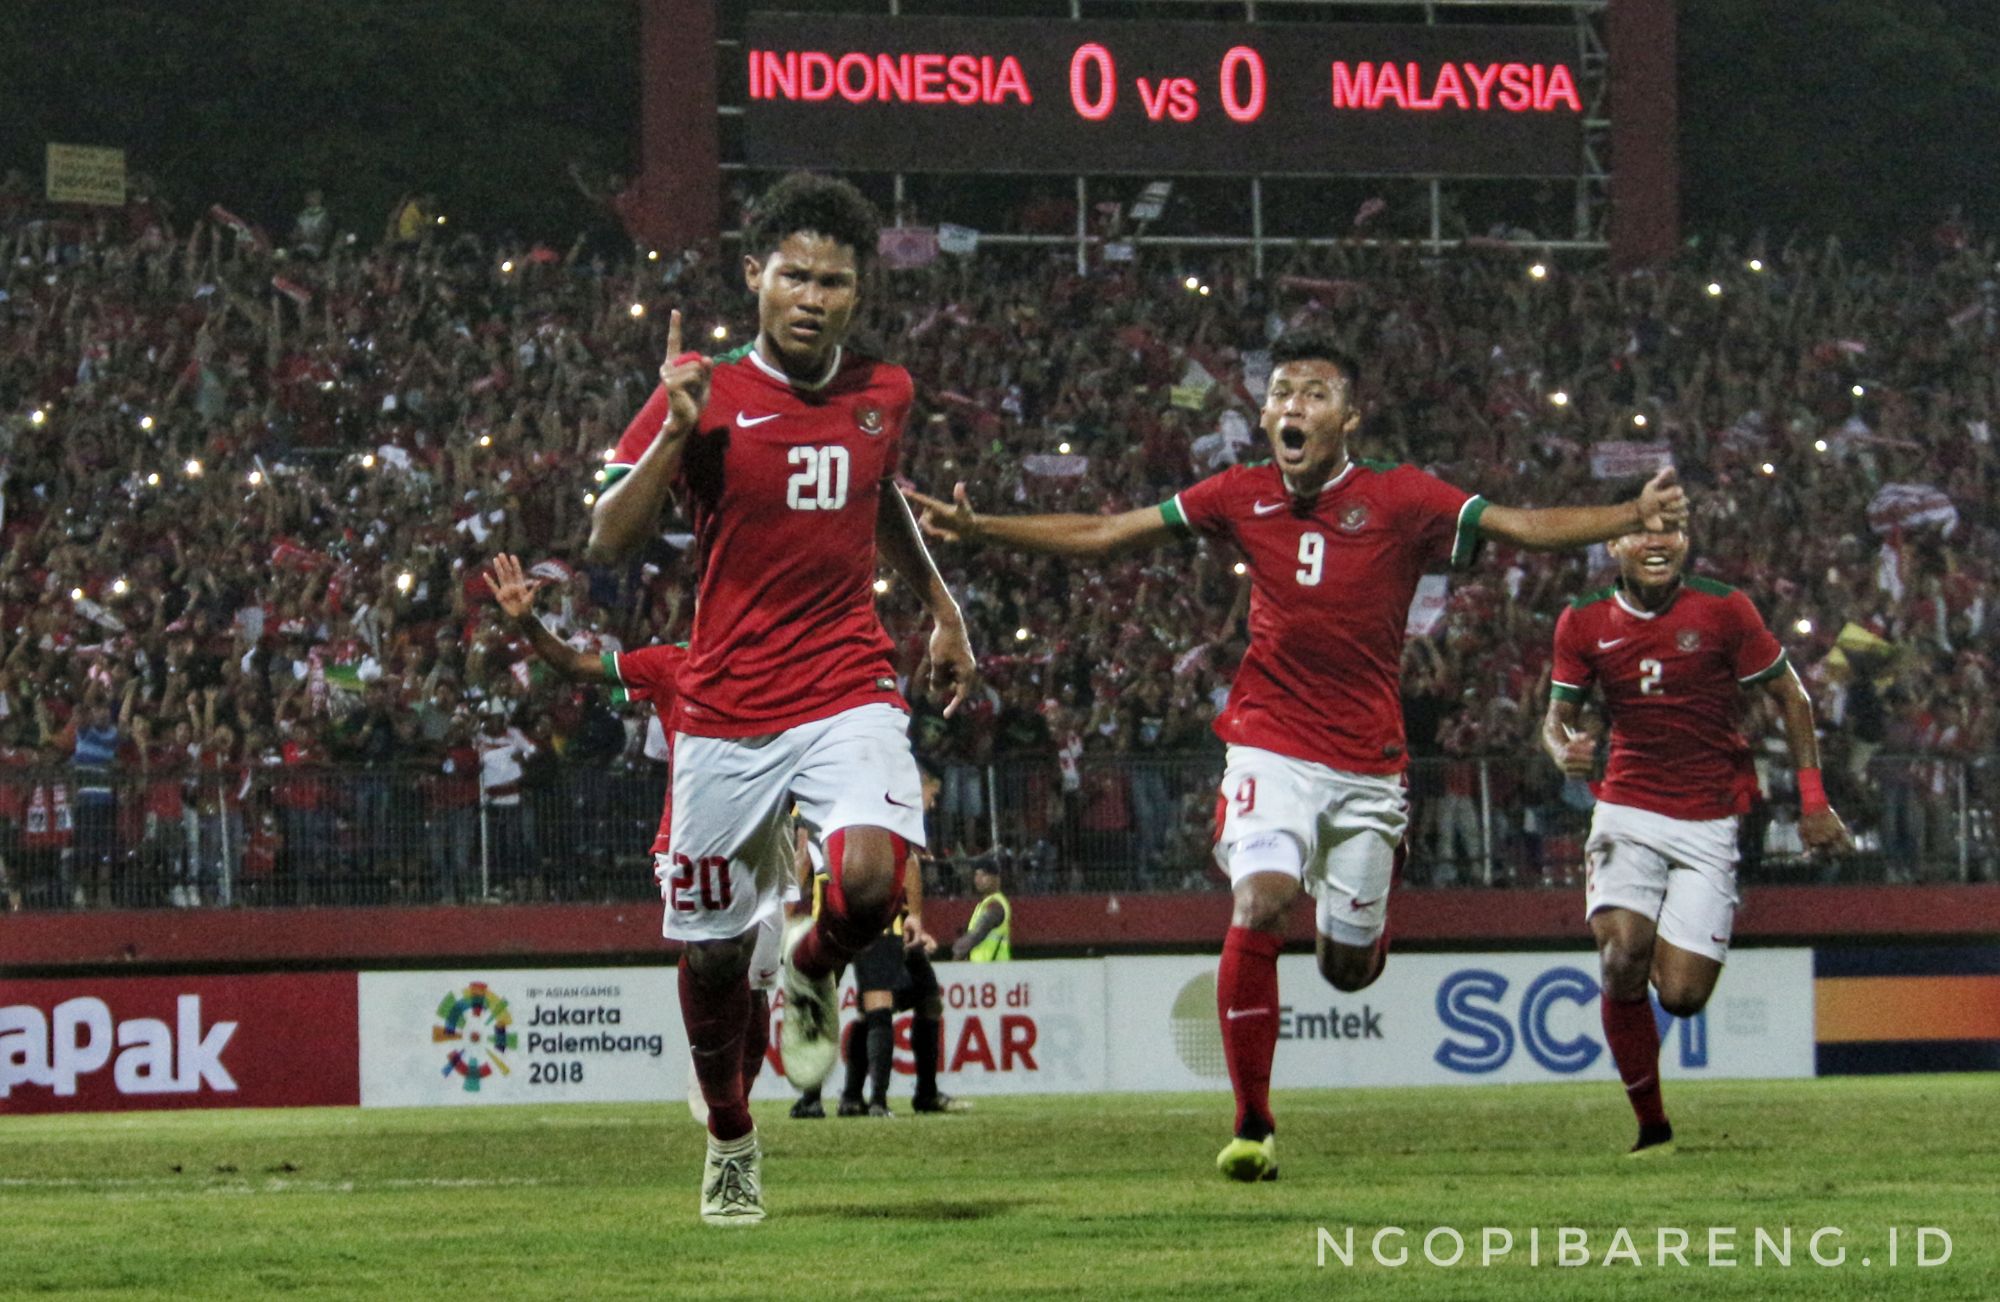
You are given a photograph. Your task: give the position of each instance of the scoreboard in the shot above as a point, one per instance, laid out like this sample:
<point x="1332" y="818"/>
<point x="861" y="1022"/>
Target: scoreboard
<point x="878" y="94"/>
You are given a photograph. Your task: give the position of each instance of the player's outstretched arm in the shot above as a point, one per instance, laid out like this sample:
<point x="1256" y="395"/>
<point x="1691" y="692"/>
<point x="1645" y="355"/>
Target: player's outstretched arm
<point x="1819" y="827"/>
<point x="515" y="592"/>
<point x="628" y="510"/>
<point x="1573" y="750"/>
<point x="1058" y="535"/>
<point x="953" y="667"/>
<point x="1662" y="504"/>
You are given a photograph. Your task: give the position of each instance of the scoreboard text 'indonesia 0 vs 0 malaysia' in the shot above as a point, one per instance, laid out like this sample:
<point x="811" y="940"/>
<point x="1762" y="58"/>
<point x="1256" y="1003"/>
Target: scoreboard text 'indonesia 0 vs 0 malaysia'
<point x="964" y="95"/>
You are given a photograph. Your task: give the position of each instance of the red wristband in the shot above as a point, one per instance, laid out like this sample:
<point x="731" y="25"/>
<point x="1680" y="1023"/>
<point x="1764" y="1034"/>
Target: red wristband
<point x="1812" y="793"/>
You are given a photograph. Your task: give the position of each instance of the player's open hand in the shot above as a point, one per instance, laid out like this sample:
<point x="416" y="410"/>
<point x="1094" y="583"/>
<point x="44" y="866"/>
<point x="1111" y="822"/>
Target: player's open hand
<point x="513" y="589"/>
<point x="953" y="521"/>
<point x="684" y="375"/>
<point x="1824" y="833"/>
<point x="1578" y="756"/>
<point x="1663" y="503"/>
<point x="952" y="665"/>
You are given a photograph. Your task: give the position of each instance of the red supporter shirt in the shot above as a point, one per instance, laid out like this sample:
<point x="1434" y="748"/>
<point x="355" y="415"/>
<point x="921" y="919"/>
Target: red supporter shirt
<point x="652" y="674"/>
<point x="1330" y="590"/>
<point x="1672" y="683"/>
<point x="782" y="482"/>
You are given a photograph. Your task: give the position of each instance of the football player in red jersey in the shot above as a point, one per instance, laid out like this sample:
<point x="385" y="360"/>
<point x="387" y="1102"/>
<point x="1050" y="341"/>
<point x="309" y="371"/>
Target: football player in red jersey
<point x="1312" y="796"/>
<point x="650" y="674"/>
<point x="782" y="453"/>
<point x="1672" y="656"/>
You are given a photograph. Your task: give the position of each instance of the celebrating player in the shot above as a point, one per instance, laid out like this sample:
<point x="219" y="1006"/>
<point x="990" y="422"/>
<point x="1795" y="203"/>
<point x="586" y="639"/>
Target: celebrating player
<point x="1313" y="793"/>
<point x="649" y="675"/>
<point x="780" y="452"/>
<point x="1671" y="656"/>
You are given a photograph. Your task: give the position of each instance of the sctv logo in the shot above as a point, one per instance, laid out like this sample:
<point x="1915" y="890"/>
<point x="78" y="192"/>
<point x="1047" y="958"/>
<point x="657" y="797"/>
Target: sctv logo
<point x="1482" y="1033"/>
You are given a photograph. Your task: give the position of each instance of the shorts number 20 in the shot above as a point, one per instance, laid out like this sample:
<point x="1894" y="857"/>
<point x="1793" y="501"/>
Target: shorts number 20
<point x="710" y="874"/>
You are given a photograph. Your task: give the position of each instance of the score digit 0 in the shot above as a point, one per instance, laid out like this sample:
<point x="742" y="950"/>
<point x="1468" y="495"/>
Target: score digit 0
<point x="1242" y="58"/>
<point x="1098" y="109"/>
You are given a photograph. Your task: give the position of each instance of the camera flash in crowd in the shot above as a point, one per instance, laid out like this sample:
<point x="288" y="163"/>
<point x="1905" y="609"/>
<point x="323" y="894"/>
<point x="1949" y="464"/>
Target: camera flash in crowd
<point x="1819" y="445"/>
<point x="192" y="469"/>
<point x="1639" y="419"/>
<point x="1241" y="569"/>
<point x="590" y="499"/>
<point x="507" y="267"/>
<point x="1804" y="626"/>
<point x="256" y="478"/>
<point x="405" y="581"/>
<point x="1063" y="448"/>
<point x="37" y="416"/>
<point x="1192" y="283"/>
<point x="485" y="440"/>
<point x="881" y="586"/>
<point x="1768" y="468"/>
<point x="1203" y="291"/>
<point x="153" y="480"/>
<point x="1755" y="264"/>
<point x="1020" y="635"/>
<point x="76" y="594"/>
<point x="120" y="587"/>
<point x="1539" y="271"/>
<point x="720" y="332"/>
<point x="440" y="219"/>
<point x="1559" y="398"/>
<point x="652" y="255"/>
<point x="1714" y="289"/>
<point x="1858" y="391"/>
<point x="638" y="310"/>
<point x="145" y="422"/>
<point x="368" y="461"/>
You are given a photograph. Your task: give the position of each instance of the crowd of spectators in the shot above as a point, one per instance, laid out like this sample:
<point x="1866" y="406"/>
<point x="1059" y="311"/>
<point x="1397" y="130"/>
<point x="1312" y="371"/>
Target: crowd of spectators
<point x="252" y="480"/>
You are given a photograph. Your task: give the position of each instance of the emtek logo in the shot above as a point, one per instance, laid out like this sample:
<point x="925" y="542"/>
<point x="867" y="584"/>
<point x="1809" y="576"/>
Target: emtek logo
<point x="1470" y="1004"/>
<point x="77" y="1039"/>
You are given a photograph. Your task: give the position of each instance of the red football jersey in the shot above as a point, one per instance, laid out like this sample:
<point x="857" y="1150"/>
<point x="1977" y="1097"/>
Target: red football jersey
<point x="782" y="482"/>
<point x="652" y="674"/>
<point x="1330" y="590"/>
<point x="1672" y="682"/>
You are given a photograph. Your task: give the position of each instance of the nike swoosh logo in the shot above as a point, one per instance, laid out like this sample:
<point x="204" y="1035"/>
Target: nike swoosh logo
<point x="897" y="803"/>
<point x="1265" y="508"/>
<point x="745" y="422"/>
<point x="1235" y="1013"/>
<point x="1602" y="645"/>
<point x="1358" y="905"/>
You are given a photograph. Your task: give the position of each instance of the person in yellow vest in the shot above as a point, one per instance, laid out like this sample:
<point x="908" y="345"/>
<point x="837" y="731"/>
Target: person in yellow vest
<point x="989" y="935"/>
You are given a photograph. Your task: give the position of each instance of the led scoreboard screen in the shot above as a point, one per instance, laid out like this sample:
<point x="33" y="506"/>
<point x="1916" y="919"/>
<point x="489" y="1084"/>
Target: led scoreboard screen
<point x="976" y="95"/>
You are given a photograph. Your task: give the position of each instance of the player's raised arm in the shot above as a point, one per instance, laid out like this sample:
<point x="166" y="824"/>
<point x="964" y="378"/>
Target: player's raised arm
<point x="628" y="510"/>
<point x="1058" y="535"/>
<point x="952" y="664"/>
<point x="1662" y="504"/>
<point x="1819" y="826"/>
<point x="515" y="593"/>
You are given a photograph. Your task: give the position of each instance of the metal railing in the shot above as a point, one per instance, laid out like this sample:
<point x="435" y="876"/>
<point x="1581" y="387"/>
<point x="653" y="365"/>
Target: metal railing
<point x="283" y="835"/>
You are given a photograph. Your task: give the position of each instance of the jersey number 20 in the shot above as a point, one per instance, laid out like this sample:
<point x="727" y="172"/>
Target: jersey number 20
<point x="819" y="483"/>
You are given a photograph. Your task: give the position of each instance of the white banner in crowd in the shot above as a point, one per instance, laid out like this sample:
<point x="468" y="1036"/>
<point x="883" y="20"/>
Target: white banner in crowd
<point x="1622" y="459"/>
<point x="1079" y="1026"/>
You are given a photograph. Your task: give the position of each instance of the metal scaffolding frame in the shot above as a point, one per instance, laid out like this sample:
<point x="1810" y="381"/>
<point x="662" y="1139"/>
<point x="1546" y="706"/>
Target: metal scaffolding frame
<point x="1592" y="203"/>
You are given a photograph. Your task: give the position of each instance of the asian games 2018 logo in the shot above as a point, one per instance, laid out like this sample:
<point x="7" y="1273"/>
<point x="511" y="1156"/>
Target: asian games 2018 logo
<point x="475" y="1021"/>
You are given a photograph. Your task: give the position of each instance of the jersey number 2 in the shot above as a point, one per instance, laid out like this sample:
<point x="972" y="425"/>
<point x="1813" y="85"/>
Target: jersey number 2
<point x="820" y="481"/>
<point x="1649" y="677"/>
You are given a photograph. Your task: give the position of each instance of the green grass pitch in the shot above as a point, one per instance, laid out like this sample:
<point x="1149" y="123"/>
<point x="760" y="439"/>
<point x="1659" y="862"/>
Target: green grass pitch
<point x="1085" y="1197"/>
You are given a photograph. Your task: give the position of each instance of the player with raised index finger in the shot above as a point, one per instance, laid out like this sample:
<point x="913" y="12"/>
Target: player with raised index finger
<point x="782" y="455"/>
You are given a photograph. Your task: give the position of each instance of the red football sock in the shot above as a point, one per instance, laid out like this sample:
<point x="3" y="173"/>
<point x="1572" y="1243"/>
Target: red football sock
<point x="1246" y="998"/>
<point x="843" y="930"/>
<point x="1634" y="1038"/>
<point x="756" y="1038"/>
<point x="715" y="1019"/>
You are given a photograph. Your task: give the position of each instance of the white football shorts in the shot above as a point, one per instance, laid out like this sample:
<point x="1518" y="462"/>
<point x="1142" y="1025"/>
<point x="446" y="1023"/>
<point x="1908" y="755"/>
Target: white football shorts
<point x="730" y="853"/>
<point x="1679" y="872"/>
<point x="1348" y="827"/>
